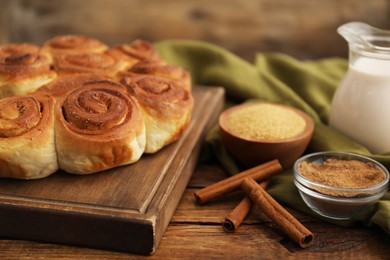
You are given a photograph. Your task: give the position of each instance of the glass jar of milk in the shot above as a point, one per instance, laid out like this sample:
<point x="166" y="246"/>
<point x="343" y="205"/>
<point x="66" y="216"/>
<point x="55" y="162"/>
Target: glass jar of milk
<point x="361" y="104"/>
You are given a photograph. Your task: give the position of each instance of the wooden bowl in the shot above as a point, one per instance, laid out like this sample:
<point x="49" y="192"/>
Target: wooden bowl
<point x="253" y="151"/>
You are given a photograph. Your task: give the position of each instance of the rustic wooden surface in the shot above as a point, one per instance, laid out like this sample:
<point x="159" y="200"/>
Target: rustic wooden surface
<point x="195" y="232"/>
<point x="132" y="203"/>
<point x="305" y="29"/>
<point x="300" y="28"/>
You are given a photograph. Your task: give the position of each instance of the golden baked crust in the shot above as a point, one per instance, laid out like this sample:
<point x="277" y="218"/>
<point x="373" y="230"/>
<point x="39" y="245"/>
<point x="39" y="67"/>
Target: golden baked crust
<point x="166" y="106"/>
<point x="24" y="67"/>
<point x="27" y="149"/>
<point x="112" y="104"/>
<point x="62" y="85"/>
<point x="108" y="63"/>
<point x="98" y="126"/>
<point x="74" y="44"/>
<point x="160" y="69"/>
<point x="139" y="50"/>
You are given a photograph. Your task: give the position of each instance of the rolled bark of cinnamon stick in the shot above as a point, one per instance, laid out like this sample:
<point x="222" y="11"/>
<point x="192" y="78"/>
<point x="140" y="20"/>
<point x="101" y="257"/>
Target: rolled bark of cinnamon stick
<point x="258" y="173"/>
<point x="234" y="219"/>
<point x="281" y="217"/>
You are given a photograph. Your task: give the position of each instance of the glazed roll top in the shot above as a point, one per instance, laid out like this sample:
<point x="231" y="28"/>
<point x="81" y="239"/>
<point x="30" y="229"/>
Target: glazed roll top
<point x="107" y="63"/>
<point x="139" y="50"/>
<point x="83" y="107"/>
<point x="166" y="106"/>
<point x="24" y="67"/>
<point x="64" y="84"/>
<point x="27" y="149"/>
<point x="98" y="126"/>
<point x="161" y="69"/>
<point x="74" y="44"/>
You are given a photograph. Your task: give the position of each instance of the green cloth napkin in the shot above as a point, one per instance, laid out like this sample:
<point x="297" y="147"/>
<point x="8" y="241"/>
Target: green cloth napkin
<point x="276" y="77"/>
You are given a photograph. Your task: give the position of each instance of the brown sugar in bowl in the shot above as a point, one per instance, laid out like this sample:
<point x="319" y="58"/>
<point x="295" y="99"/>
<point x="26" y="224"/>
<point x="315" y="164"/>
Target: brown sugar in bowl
<point x="257" y="132"/>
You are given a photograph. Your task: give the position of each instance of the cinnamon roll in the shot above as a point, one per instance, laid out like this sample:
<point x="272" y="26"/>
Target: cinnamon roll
<point x="64" y="84"/>
<point x="74" y="44"/>
<point x="166" y="106"/>
<point x="85" y="107"/>
<point x="108" y="63"/>
<point x="98" y="126"/>
<point x="161" y="70"/>
<point x="139" y="50"/>
<point x="24" y="67"/>
<point x="27" y="149"/>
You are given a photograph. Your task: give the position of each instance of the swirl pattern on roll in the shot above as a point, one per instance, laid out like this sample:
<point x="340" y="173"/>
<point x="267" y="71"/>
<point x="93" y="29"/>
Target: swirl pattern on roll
<point x="161" y="70"/>
<point x="74" y="44"/>
<point x="18" y="115"/>
<point x="107" y="63"/>
<point x="139" y="50"/>
<point x="99" y="126"/>
<point x="166" y="105"/>
<point x="24" y="67"/>
<point x="104" y="106"/>
<point x="64" y="84"/>
<point x="27" y="149"/>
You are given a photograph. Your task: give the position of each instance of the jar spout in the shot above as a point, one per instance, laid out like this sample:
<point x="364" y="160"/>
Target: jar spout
<point x="365" y="37"/>
<point x="355" y="33"/>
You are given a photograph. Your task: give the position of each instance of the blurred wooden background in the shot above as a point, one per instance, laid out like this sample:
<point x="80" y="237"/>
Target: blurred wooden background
<point x="304" y="29"/>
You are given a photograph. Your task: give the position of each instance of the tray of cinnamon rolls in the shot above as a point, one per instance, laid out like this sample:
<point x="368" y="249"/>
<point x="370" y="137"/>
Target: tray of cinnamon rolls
<point x="78" y="105"/>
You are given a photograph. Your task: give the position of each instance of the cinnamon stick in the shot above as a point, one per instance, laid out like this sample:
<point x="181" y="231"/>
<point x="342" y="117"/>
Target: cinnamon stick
<point x="234" y="219"/>
<point x="258" y="173"/>
<point x="281" y="217"/>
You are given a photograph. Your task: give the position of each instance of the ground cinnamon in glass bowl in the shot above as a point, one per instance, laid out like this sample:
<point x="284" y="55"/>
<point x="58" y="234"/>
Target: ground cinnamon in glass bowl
<point x="339" y="185"/>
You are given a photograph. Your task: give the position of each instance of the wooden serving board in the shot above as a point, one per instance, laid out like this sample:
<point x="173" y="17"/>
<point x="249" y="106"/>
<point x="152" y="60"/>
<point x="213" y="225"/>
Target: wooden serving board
<point x="123" y="209"/>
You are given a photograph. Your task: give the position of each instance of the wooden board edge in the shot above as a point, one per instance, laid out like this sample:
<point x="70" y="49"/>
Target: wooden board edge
<point x="215" y="103"/>
<point x="37" y="223"/>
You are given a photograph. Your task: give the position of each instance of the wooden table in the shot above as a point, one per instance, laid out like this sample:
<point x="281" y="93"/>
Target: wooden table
<point x="195" y="232"/>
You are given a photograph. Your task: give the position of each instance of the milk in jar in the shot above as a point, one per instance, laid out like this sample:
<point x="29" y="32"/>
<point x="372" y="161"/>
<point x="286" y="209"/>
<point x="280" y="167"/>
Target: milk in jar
<point x="361" y="104"/>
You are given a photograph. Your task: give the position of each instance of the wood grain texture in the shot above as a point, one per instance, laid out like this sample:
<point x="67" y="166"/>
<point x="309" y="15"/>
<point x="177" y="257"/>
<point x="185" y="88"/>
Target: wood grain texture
<point x="124" y="209"/>
<point x="305" y="29"/>
<point x="195" y="232"/>
<point x="4" y="21"/>
<point x="301" y="28"/>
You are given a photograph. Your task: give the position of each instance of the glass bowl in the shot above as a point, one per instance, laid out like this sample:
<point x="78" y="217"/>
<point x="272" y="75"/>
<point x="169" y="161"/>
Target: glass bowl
<point x="335" y="202"/>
